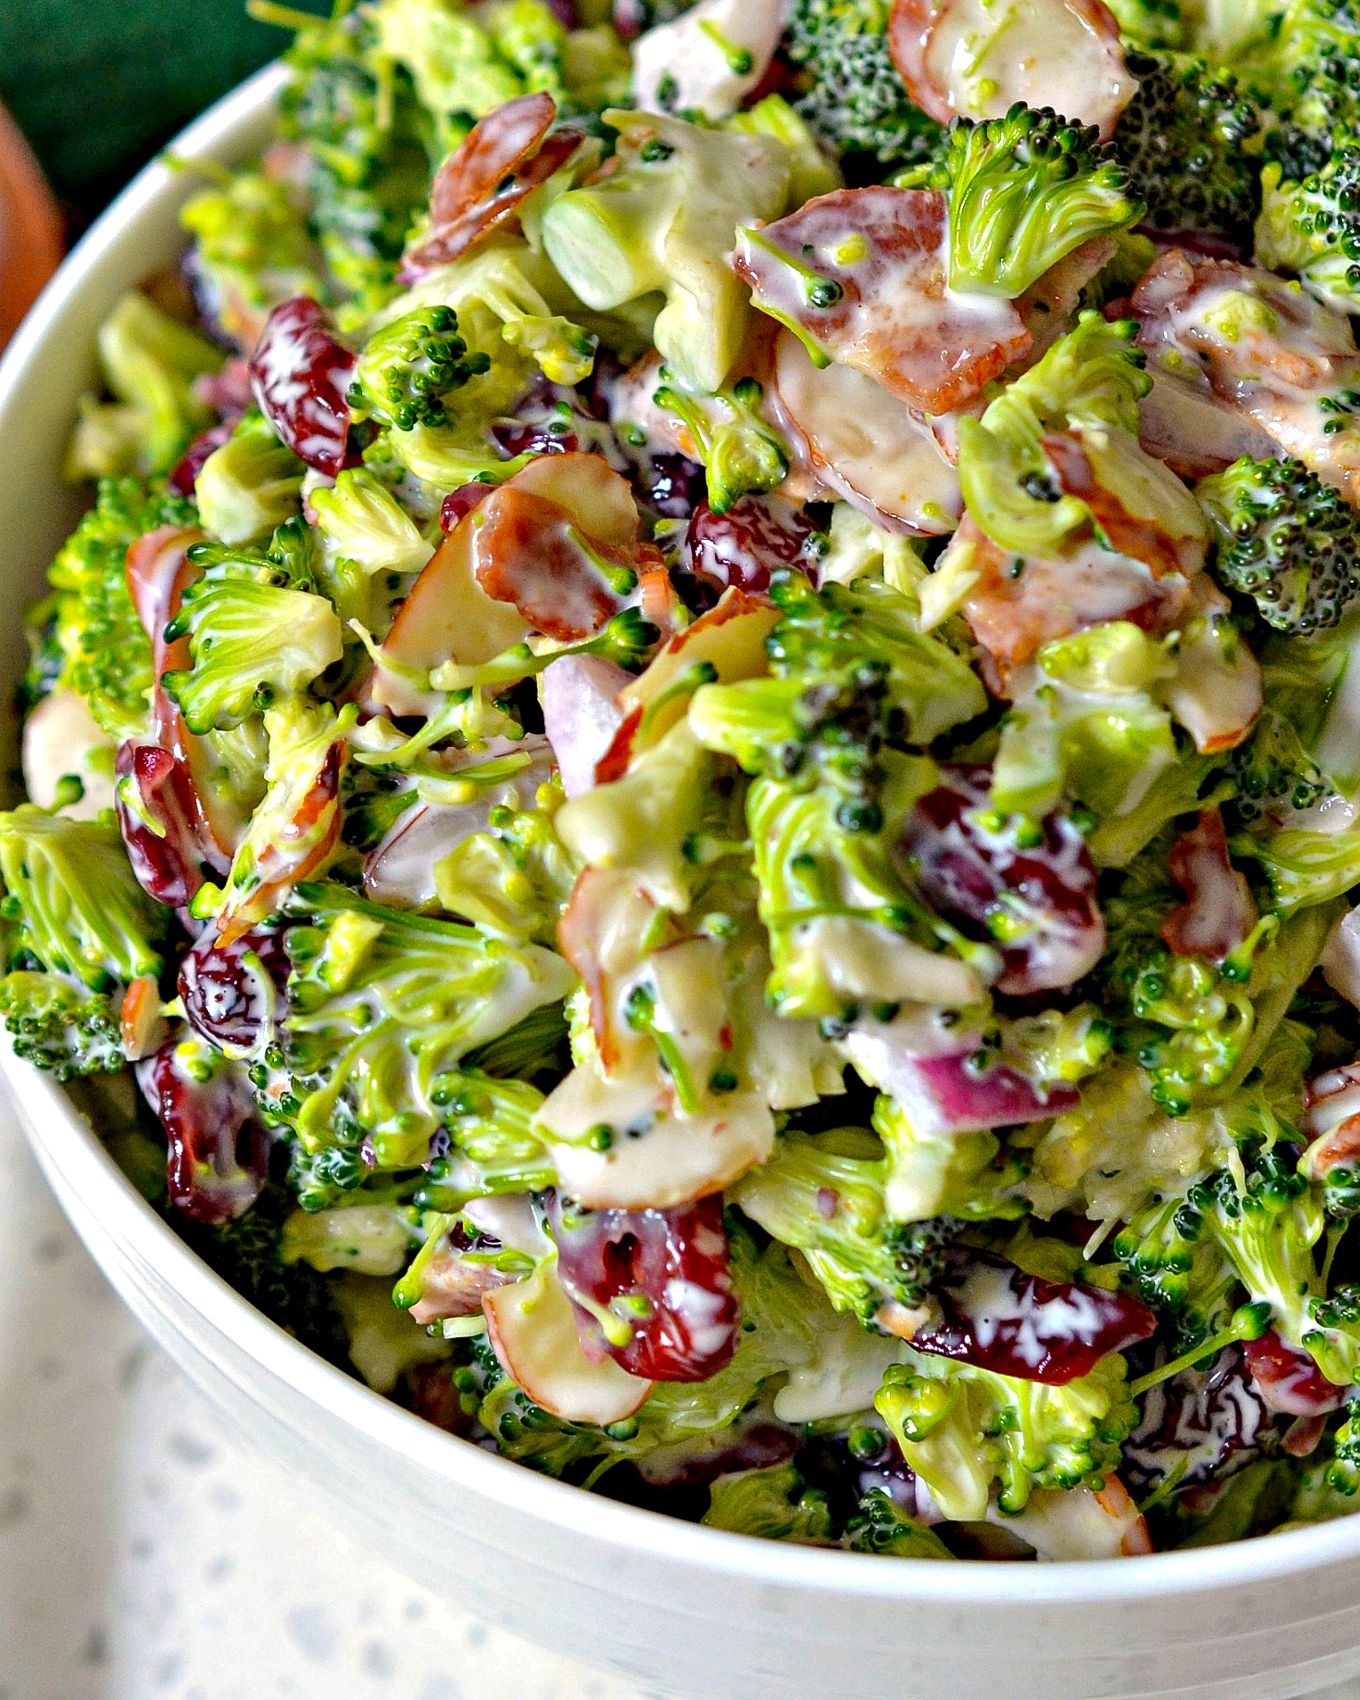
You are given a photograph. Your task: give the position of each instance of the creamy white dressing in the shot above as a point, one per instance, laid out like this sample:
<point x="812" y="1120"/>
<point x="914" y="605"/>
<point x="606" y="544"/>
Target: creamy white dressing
<point x="61" y="740"/>
<point x="995" y="1309"/>
<point x="693" y="62"/>
<point x="1341" y="958"/>
<point x="984" y="55"/>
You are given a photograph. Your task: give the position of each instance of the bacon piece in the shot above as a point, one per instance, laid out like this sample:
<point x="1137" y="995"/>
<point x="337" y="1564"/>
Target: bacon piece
<point x="551" y="539"/>
<point x="1138" y="537"/>
<point x="976" y="58"/>
<point x="1332" y="1122"/>
<point x="1261" y="348"/>
<point x="998" y="1318"/>
<point x="1018" y="604"/>
<point x="878" y="297"/>
<point x="1219" y="911"/>
<point x="481" y="186"/>
<point x="599" y="933"/>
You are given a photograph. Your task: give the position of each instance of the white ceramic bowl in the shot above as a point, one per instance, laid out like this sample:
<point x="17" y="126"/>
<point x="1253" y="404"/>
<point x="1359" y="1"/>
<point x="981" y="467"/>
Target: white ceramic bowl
<point x="707" y="1615"/>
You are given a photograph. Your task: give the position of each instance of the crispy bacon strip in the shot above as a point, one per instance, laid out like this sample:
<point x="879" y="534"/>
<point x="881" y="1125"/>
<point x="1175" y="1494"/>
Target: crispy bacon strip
<point x="1219" y="911"/>
<point x="561" y="540"/>
<point x="864" y="274"/>
<point x="481" y="186"/>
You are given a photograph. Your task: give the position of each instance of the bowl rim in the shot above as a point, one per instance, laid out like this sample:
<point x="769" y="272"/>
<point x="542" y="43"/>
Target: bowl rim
<point x="129" y="1219"/>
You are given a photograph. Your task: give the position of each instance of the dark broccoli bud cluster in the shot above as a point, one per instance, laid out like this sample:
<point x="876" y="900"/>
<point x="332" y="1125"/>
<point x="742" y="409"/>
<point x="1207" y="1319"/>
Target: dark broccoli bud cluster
<point x="1287" y="540"/>
<point x="1312" y="226"/>
<point x="1318" y="83"/>
<point x="857" y="102"/>
<point x="1184" y="139"/>
<point x="408" y="370"/>
<point x="61" y="1027"/>
<point x="1273" y="772"/>
<point x="1024" y="191"/>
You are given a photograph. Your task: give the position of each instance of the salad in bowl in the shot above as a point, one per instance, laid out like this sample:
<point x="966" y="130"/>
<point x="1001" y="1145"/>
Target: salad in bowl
<point x="692" y="788"/>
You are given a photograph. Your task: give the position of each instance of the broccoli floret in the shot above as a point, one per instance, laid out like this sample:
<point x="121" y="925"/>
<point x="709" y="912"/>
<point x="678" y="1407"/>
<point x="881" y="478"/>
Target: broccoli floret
<point x="852" y="679"/>
<point x="252" y="640"/>
<point x="1313" y="227"/>
<point x="63" y="1028"/>
<point x="1024" y="191"/>
<point x="1172" y="1266"/>
<point x="106" y="655"/>
<point x="934" y="1175"/>
<point x="383" y="1007"/>
<point x="246" y="1252"/>
<point x="252" y="249"/>
<point x="410" y="367"/>
<point x="71" y="904"/>
<point x="1209" y="1018"/>
<point x="1185" y="141"/>
<point x="1312" y="74"/>
<point x="856" y="102"/>
<point x="1343" y="1468"/>
<point x="880" y="1525"/>
<point x="494" y="1146"/>
<point x="965" y="1431"/>
<point x="1150" y="23"/>
<point x="775" y="1503"/>
<point x="824" y="1195"/>
<point x="149" y="361"/>
<point x="742" y="455"/>
<point x="1273" y="772"/>
<point x="1285" y="539"/>
<point x="1269" y="1223"/>
<point x="250" y="485"/>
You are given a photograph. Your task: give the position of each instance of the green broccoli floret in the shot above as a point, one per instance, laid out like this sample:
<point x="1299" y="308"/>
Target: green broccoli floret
<point x="1285" y="539"/>
<point x="742" y="455"/>
<point x="71" y="904"/>
<point x="410" y="367"/>
<point x="149" y="362"/>
<point x="63" y="1028"/>
<point x="369" y="151"/>
<point x="965" y="1431"/>
<point x="1150" y="23"/>
<point x="1208" y="1020"/>
<point x="250" y="485"/>
<point x="1185" y="139"/>
<point x="1172" y="1266"/>
<point x="1313" y="227"/>
<point x="1314" y="77"/>
<point x="937" y="1174"/>
<point x="775" y="1503"/>
<point x="880" y="1525"/>
<point x="1269" y="1223"/>
<point x="246" y="1253"/>
<point x="253" y="640"/>
<point x="383" y="1007"/>
<point x="1024" y="191"/>
<point x="856" y="102"/>
<point x="251" y="250"/>
<point x="1343" y="1468"/>
<point x="1273" y="771"/>
<point x="106" y="655"/>
<point x="853" y="678"/>
<point x="824" y="1195"/>
<point x="494" y="1146"/>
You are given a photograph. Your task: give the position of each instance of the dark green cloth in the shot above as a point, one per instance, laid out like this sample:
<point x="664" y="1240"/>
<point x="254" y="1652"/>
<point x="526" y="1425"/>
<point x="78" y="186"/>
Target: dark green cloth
<point x="98" y="86"/>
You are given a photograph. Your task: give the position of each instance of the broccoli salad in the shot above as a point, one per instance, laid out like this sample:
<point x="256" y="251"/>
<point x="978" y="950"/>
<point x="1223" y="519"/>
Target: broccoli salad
<point x="694" y="784"/>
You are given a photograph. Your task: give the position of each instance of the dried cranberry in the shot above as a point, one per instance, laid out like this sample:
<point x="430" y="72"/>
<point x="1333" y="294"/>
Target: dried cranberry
<point x="662" y="1273"/>
<point x="231" y="991"/>
<point x="185" y="475"/>
<point x="745" y="545"/>
<point x="670" y="485"/>
<point x="158" y="828"/>
<point x="1029" y="889"/>
<point x="1288" y="1380"/>
<point x="301" y="374"/>
<point x="1000" y="1319"/>
<point x="1199" y="1426"/>
<point x="217" y="1154"/>
<point x="460" y="502"/>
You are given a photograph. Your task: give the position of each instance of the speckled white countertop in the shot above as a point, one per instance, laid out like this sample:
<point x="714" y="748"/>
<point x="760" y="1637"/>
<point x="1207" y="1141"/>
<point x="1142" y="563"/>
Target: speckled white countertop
<point x="146" y="1556"/>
